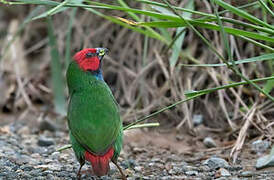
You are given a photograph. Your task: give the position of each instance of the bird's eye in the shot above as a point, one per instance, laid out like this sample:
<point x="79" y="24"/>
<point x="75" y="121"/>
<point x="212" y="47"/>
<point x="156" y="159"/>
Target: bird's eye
<point x="89" y="54"/>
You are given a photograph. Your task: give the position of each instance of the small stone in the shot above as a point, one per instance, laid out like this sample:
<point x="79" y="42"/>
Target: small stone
<point x="221" y="178"/>
<point x="48" y="160"/>
<point x="260" y="146"/>
<point x="128" y="164"/>
<point x="50" y="177"/>
<point x="54" y="167"/>
<point x="197" y="119"/>
<point x="179" y="137"/>
<point x="191" y="173"/>
<point x="55" y="155"/>
<point x="215" y="163"/>
<point x="43" y="141"/>
<point x="265" y="161"/>
<point x="189" y="168"/>
<point x="246" y="174"/>
<point x="47" y="125"/>
<point x="209" y="142"/>
<point x="138" y="168"/>
<point x="24" y="130"/>
<point x="222" y="173"/>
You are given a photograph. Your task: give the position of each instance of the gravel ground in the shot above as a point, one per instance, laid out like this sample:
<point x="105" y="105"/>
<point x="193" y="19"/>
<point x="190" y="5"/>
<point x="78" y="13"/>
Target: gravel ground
<point x="30" y="154"/>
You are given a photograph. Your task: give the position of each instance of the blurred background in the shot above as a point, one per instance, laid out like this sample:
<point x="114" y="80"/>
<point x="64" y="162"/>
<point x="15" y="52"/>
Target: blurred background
<point x="160" y="53"/>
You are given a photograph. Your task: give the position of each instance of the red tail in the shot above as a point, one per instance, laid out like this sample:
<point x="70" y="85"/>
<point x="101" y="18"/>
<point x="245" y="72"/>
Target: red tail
<point x="100" y="164"/>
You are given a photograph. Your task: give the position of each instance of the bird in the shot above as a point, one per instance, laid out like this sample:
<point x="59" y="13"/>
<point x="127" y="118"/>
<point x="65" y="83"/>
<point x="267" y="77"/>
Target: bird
<point x="94" y="122"/>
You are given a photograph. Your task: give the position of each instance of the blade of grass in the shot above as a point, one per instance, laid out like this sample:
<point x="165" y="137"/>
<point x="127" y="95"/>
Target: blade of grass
<point x="142" y="126"/>
<point x="157" y="112"/>
<point x="248" y="60"/>
<point x="242" y="14"/>
<point x="136" y="18"/>
<point x="180" y="32"/>
<point x="140" y="30"/>
<point x="271" y="3"/>
<point x="258" y="43"/>
<point x="56" y="72"/>
<point x="233" y="67"/>
<point x="68" y="38"/>
<point x="123" y="4"/>
<point x="233" y="31"/>
<point x="191" y="93"/>
<point x="266" y="7"/>
<point x="192" y="11"/>
<point x="68" y="146"/>
<point x="223" y="35"/>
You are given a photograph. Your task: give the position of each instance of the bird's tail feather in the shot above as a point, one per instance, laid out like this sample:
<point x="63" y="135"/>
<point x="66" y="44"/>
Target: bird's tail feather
<point x="100" y="163"/>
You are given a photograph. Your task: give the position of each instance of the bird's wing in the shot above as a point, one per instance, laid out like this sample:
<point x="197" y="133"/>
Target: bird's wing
<point x="93" y="117"/>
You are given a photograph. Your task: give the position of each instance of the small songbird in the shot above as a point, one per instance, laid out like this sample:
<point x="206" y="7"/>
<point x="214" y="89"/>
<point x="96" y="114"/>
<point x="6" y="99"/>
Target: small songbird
<point x="95" y="126"/>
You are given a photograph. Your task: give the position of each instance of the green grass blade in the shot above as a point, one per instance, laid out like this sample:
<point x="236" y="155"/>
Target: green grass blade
<point x="157" y="112"/>
<point x="224" y="36"/>
<point x="190" y="94"/>
<point x="271" y="3"/>
<point x="56" y="72"/>
<point x="38" y="2"/>
<point x="248" y="60"/>
<point x="68" y="38"/>
<point x="266" y="8"/>
<point x="242" y="13"/>
<point x="233" y="31"/>
<point x="176" y="48"/>
<point x="141" y="126"/>
<point x="68" y="146"/>
<point x="136" y="18"/>
<point x="137" y="29"/>
<point x="177" y="8"/>
<point x="133" y="15"/>
<point x="258" y="43"/>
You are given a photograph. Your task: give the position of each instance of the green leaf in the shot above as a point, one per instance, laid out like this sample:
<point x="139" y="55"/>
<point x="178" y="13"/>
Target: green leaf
<point x="233" y="31"/>
<point x="266" y="7"/>
<point x="242" y="13"/>
<point x="248" y="60"/>
<point x="56" y="72"/>
<point x="176" y="48"/>
<point x="191" y="93"/>
<point x="142" y="126"/>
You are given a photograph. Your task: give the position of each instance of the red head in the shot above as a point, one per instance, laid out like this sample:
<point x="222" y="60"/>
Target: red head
<point x="90" y="59"/>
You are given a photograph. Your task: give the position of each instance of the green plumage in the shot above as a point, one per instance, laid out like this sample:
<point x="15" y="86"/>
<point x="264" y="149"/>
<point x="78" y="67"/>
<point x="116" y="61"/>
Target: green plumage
<point x="93" y="115"/>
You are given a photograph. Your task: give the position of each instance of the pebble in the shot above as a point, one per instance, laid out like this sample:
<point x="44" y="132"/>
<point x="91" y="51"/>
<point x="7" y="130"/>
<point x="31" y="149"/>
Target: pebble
<point x="246" y="174"/>
<point x="47" y="125"/>
<point x="128" y="164"/>
<point x="265" y="161"/>
<point x="191" y="173"/>
<point x="43" y="141"/>
<point x="260" y="146"/>
<point x="197" y="119"/>
<point x="222" y="172"/>
<point x="179" y="137"/>
<point x="138" y="168"/>
<point x="189" y="168"/>
<point x="215" y="163"/>
<point x="209" y="142"/>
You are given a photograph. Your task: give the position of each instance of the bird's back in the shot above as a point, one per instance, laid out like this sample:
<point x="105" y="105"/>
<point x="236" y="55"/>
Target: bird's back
<point x="93" y="114"/>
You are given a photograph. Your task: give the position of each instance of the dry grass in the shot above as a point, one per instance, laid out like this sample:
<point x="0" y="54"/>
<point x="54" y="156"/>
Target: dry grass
<point x="141" y="85"/>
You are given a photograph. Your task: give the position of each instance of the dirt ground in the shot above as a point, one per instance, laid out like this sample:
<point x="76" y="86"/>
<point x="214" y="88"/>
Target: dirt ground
<point x="30" y="153"/>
